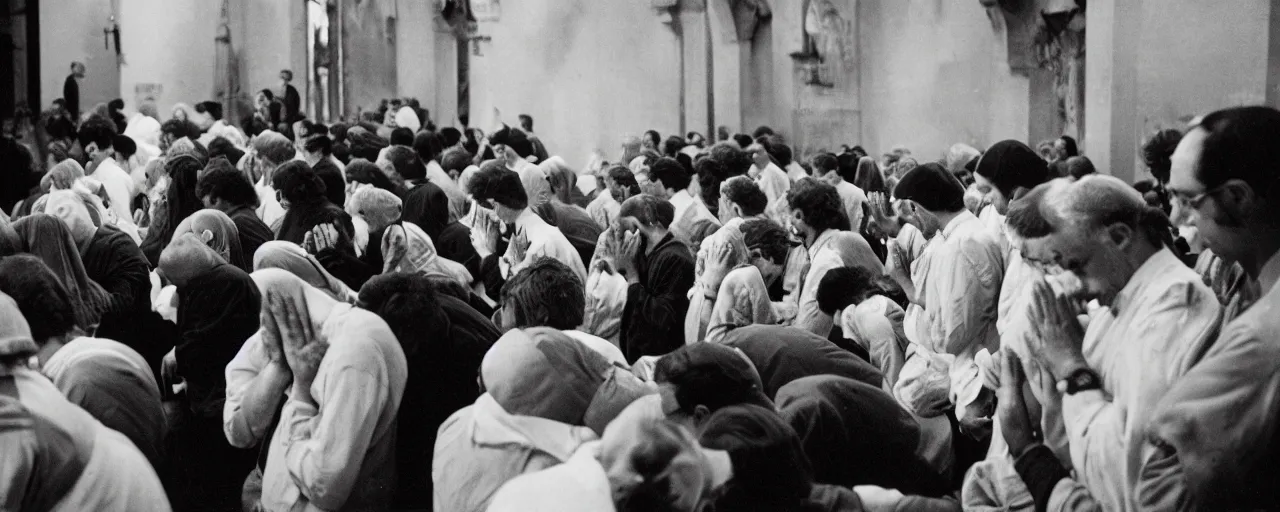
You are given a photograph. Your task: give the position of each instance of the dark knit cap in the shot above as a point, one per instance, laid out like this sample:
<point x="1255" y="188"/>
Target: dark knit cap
<point x="1010" y="164"/>
<point x="515" y="139"/>
<point x="932" y="187"/>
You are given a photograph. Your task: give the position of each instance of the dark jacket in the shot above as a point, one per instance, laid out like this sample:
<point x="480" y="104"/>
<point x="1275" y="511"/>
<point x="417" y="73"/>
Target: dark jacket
<point x="335" y="185"/>
<point x="217" y="312"/>
<point x="253" y="232"/>
<point x="115" y="262"/>
<point x="653" y="319"/>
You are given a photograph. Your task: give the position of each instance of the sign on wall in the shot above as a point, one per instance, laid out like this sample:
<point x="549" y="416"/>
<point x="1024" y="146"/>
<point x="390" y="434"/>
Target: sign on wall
<point x="486" y="10"/>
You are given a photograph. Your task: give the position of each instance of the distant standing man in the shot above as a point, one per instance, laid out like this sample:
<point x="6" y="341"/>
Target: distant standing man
<point x="71" y="90"/>
<point x="292" y="101"/>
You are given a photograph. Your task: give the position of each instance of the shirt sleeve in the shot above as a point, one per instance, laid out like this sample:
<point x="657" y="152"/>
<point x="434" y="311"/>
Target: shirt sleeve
<point x="324" y="449"/>
<point x="741" y="301"/>
<point x="243" y="431"/>
<point x="808" y="316"/>
<point x="967" y="312"/>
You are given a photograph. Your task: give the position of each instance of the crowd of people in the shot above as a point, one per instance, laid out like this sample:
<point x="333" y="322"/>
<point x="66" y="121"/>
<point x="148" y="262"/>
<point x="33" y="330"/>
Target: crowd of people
<point x="379" y="315"/>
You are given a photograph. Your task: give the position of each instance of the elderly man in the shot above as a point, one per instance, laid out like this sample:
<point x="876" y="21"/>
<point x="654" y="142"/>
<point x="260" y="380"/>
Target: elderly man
<point x="1211" y="440"/>
<point x="1157" y="319"/>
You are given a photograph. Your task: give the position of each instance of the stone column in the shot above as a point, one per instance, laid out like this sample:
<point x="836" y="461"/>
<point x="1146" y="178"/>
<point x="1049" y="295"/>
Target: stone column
<point x="728" y="55"/>
<point x="695" y="58"/>
<point x="1111" y="85"/>
<point x="1273" y="55"/>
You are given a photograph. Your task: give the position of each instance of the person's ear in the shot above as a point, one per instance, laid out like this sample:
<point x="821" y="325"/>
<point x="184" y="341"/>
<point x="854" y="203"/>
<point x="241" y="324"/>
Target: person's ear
<point x="91" y="148"/>
<point x="206" y="236"/>
<point x="754" y="254"/>
<point x="1120" y="234"/>
<point x="1237" y="198"/>
<point x="700" y="414"/>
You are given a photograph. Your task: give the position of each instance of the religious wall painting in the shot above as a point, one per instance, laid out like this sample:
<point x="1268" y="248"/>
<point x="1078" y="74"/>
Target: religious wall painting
<point x="829" y="51"/>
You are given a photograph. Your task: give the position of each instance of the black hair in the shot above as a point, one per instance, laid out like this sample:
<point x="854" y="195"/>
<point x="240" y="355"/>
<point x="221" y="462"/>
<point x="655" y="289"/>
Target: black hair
<point x="743" y="140"/>
<point x="1080" y="166"/>
<point x="124" y="145"/>
<point x="1069" y="146"/>
<point x="97" y="130"/>
<point x="1026" y="218"/>
<point x="406" y="163"/>
<point x="526" y="121"/>
<point x="711" y="173"/>
<point x="115" y="105"/>
<point x="623" y="176"/>
<point x="670" y="173"/>
<point x="762" y="131"/>
<point x="847" y="165"/>
<point x="230" y="185"/>
<point x="546" y="293"/>
<point x="770" y="468"/>
<point x="298" y="183"/>
<point x="451" y="136"/>
<point x="455" y="159"/>
<point x="735" y="160"/>
<point x="825" y="162"/>
<point x="672" y="146"/>
<point x="1156" y="153"/>
<point x="428" y="146"/>
<point x="819" y="203"/>
<point x="180" y="128"/>
<point x="319" y="143"/>
<point x="654" y="137"/>
<point x="213" y="108"/>
<point x="402" y="137"/>
<point x="846" y="286"/>
<point x="1241" y="143"/>
<point x="769" y="237"/>
<point x="364" y="171"/>
<point x="747" y="195"/>
<point x="41" y="297"/>
<point x="410" y="306"/>
<point x="220" y="146"/>
<point x="649" y="210"/>
<point x="495" y="182"/>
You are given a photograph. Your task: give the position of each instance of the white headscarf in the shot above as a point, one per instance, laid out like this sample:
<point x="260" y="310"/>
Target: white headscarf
<point x="407" y="118"/>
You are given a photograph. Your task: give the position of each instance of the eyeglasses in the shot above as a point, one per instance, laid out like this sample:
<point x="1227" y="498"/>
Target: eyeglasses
<point x="1186" y="203"/>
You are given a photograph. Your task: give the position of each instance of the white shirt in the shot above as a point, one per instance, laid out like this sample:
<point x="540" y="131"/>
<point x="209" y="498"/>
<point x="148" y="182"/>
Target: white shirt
<point x="600" y="345"/>
<point x="545" y="241"/>
<point x="119" y="187"/>
<point x="339" y="453"/>
<point x="1157" y="328"/>
<point x="852" y="198"/>
<point x="832" y="249"/>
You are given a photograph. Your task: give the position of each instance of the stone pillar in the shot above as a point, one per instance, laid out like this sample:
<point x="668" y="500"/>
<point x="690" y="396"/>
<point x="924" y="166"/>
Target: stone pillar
<point x="729" y="57"/>
<point x="695" y="59"/>
<point x="1111" y="85"/>
<point x="1273" y="55"/>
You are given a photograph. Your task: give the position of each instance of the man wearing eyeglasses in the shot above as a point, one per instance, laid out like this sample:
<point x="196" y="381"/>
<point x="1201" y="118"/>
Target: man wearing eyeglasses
<point x="1212" y="439"/>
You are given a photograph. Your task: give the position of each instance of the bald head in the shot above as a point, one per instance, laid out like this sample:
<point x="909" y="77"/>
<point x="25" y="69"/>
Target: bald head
<point x="1081" y="205"/>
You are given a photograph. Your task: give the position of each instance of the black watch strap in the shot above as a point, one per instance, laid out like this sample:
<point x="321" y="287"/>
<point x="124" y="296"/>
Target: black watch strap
<point x="1083" y="379"/>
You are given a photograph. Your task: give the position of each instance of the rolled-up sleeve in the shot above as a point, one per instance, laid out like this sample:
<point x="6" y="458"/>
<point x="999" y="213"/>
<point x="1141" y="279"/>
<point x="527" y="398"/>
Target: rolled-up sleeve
<point x="242" y="429"/>
<point x="324" y="450"/>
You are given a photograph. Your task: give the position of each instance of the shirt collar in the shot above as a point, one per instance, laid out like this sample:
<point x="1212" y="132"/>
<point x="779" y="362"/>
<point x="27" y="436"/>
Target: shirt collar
<point x="1155" y="268"/>
<point x="821" y="242"/>
<point x="1269" y="275"/>
<point x="956" y="222"/>
<point x="681" y="199"/>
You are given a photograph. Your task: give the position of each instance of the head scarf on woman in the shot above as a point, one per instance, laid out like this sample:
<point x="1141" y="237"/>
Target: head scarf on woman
<point x="544" y="373"/>
<point x="144" y="129"/>
<point x="292" y="258"/>
<point x="219" y="232"/>
<point x="180" y="202"/>
<point x="49" y="239"/>
<point x="562" y="179"/>
<point x="841" y="420"/>
<point x="188" y="147"/>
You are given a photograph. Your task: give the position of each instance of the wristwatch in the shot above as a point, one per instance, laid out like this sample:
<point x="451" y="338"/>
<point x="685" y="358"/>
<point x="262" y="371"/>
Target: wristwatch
<point x="1082" y="379"/>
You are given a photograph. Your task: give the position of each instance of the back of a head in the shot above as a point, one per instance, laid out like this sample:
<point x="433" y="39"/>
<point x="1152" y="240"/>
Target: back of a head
<point x="762" y="131"/>
<point x="402" y="137"/>
<point x="364" y="171"/>
<point x="98" y="131"/>
<point x="1157" y="151"/>
<point x="743" y="140"/>
<point x="825" y="162"/>
<point x="710" y="375"/>
<point x="497" y="183"/>
<point x="848" y="166"/>
<point x="406" y="162"/>
<point x="213" y="108"/>
<point x="229" y="185"/>
<point x="298" y="183"/>
<point x="1010" y="165"/>
<point x="735" y="160"/>
<point x="846" y="286"/>
<point x="451" y="136"/>
<point x="273" y="147"/>
<point x="41" y="297"/>
<point x="819" y="202"/>
<point x="365" y="144"/>
<point x="869" y="178"/>
<point x="744" y="192"/>
<point x="455" y="160"/>
<point x="672" y="146"/>
<point x="770" y="469"/>
<point x="932" y="187"/>
<point x="768" y="237"/>
<point x="409" y="306"/>
<point x="1079" y="167"/>
<point x="321" y="144"/>
<point x="125" y="146"/>
<point x="546" y="293"/>
<point x="428" y="146"/>
<point x="671" y="173"/>
<point x="646" y="209"/>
